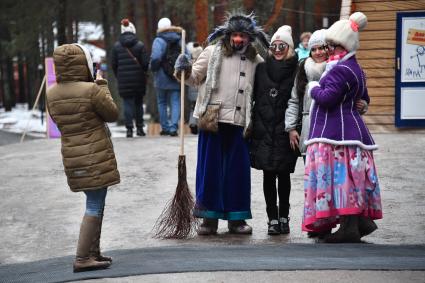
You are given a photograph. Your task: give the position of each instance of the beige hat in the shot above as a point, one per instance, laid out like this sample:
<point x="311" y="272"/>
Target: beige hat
<point x="346" y="32"/>
<point x="284" y="33"/>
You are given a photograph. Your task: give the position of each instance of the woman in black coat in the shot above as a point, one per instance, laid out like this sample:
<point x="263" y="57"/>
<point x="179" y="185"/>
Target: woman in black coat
<point x="270" y="148"/>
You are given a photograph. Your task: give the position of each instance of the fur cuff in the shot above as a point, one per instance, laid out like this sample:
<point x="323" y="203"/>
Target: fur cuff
<point x="310" y="86"/>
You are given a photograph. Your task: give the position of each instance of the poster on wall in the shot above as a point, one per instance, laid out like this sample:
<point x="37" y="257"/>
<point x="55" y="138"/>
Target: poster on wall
<point x="52" y="129"/>
<point x="413" y="49"/>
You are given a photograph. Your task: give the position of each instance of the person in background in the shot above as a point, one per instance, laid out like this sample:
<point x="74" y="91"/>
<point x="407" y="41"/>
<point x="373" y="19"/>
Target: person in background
<point x="303" y="51"/>
<point x="81" y="106"/>
<point x="270" y="149"/>
<point x="166" y="48"/>
<point x="340" y="181"/>
<point x="130" y="63"/>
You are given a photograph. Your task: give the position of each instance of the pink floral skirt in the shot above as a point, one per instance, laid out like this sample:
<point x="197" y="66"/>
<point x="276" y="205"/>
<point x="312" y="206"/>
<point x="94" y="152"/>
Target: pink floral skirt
<point x="339" y="180"/>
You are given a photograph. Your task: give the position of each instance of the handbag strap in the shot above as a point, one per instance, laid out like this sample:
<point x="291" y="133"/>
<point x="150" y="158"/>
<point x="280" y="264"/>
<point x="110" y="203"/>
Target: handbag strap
<point x="132" y="56"/>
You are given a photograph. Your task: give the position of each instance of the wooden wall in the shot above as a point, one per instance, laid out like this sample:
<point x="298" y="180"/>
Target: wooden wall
<point x="377" y="57"/>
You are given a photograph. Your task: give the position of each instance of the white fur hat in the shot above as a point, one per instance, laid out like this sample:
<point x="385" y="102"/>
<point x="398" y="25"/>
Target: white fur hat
<point x="317" y="38"/>
<point x="164" y="23"/>
<point x="346" y="32"/>
<point x="127" y="26"/>
<point x="284" y="33"/>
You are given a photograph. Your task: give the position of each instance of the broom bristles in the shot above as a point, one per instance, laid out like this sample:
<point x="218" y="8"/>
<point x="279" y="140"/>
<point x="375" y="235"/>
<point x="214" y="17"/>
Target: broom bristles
<point x="176" y="220"/>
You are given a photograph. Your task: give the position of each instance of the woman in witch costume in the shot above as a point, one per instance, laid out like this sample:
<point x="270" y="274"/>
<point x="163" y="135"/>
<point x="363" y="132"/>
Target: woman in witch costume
<point x="270" y="149"/>
<point x="224" y="72"/>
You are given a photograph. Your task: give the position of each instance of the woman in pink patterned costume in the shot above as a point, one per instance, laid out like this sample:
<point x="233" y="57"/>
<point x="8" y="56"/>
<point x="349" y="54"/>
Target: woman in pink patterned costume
<point x="340" y="182"/>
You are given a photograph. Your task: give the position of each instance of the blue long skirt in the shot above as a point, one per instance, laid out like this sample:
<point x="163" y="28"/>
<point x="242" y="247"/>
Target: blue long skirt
<point x="223" y="176"/>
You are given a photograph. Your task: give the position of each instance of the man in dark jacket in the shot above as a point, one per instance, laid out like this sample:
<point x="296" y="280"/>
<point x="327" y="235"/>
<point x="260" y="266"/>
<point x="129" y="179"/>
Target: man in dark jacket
<point x="130" y="63"/>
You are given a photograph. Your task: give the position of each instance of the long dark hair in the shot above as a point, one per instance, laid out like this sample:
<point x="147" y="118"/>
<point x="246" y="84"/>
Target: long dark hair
<point x="301" y="80"/>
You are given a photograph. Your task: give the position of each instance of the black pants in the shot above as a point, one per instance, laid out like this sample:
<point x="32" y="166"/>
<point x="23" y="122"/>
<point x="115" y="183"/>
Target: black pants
<point x="283" y="189"/>
<point x="133" y="109"/>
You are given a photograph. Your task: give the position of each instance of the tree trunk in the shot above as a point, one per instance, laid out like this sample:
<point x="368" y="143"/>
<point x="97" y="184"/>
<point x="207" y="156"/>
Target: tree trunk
<point x="219" y="11"/>
<point x="5" y="86"/>
<point x="278" y="4"/>
<point x="106" y="24"/>
<point x="249" y="6"/>
<point x="150" y="20"/>
<point x="33" y="80"/>
<point x="10" y="82"/>
<point x="61" y="22"/>
<point x="22" y="98"/>
<point x="201" y="12"/>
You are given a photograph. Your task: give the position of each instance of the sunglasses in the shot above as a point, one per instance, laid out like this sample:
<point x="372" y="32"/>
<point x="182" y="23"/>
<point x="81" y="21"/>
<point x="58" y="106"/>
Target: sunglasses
<point x="278" y="47"/>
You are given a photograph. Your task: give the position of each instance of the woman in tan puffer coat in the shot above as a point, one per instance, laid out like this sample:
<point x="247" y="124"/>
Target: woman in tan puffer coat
<point x="80" y="107"/>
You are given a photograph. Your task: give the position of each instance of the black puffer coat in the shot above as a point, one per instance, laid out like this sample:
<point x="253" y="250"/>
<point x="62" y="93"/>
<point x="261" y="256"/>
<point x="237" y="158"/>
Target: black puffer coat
<point x="131" y="75"/>
<point x="269" y="143"/>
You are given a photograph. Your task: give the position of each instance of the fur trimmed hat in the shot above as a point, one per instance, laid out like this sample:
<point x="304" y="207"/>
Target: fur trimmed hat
<point x="317" y="38"/>
<point x="346" y="32"/>
<point x="284" y="33"/>
<point x="164" y="23"/>
<point x="127" y="26"/>
<point x="239" y="22"/>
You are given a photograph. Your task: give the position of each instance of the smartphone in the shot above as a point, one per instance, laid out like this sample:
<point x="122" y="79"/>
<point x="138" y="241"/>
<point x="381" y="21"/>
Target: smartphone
<point x="94" y="71"/>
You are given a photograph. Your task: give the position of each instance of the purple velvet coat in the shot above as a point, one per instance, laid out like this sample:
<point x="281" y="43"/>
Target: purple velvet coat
<point x="334" y="118"/>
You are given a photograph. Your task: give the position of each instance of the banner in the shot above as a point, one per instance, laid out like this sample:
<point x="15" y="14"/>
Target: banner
<point x="52" y="129"/>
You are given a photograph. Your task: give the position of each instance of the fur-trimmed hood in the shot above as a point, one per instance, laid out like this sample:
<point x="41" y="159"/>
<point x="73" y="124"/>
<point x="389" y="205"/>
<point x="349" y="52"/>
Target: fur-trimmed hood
<point x="239" y="22"/>
<point x="175" y="29"/>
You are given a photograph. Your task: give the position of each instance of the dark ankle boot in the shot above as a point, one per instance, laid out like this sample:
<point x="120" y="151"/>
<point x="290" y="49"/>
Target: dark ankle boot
<point x="274" y="227"/>
<point x="284" y="225"/>
<point x="209" y="226"/>
<point x="86" y="241"/>
<point x="348" y="231"/>
<point x="239" y="227"/>
<point x="366" y="226"/>
<point x="129" y="132"/>
<point x="140" y="132"/>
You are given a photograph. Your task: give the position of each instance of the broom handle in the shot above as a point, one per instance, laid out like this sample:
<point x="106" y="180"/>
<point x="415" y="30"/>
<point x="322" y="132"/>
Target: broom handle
<point x="33" y="107"/>
<point x="182" y="88"/>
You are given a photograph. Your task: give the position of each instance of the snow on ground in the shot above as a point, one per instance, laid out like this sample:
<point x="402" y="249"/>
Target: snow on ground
<point x="21" y="119"/>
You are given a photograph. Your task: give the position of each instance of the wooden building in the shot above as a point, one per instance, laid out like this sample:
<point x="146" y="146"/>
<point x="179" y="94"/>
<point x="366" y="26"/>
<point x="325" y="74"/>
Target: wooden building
<point x="377" y="55"/>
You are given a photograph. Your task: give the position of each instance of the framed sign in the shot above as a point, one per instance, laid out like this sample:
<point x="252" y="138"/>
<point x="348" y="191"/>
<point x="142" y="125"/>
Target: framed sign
<point x="410" y="71"/>
<point x="413" y="49"/>
<point x="52" y="129"/>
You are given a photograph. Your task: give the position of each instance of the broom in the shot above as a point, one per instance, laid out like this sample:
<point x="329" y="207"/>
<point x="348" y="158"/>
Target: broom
<point x="176" y="220"/>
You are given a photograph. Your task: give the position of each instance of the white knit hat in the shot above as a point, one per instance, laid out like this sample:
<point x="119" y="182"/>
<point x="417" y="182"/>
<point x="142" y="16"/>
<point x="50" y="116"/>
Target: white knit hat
<point x="317" y="38"/>
<point x="127" y="26"/>
<point x="164" y="23"/>
<point x="284" y="33"/>
<point x="346" y="32"/>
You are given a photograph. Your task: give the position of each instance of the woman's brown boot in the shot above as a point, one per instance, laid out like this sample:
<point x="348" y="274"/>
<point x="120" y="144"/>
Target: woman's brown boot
<point x="95" y="249"/>
<point x="86" y="241"/>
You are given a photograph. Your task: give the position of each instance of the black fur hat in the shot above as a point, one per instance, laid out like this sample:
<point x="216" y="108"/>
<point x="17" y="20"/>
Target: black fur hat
<point x="239" y="22"/>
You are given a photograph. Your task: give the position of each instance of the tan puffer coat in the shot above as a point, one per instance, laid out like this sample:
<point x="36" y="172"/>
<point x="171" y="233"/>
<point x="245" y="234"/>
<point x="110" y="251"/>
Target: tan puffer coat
<point x="80" y="109"/>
